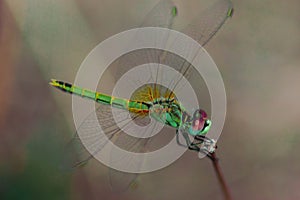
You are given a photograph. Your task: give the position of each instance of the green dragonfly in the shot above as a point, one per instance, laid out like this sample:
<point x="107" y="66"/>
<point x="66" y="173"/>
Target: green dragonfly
<point x="154" y="100"/>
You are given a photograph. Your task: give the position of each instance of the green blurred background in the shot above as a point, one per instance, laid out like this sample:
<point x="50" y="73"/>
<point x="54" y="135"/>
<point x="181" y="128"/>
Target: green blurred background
<point x="257" y="52"/>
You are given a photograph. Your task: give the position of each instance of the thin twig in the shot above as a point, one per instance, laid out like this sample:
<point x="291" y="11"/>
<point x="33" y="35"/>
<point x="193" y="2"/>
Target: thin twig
<point x="221" y="179"/>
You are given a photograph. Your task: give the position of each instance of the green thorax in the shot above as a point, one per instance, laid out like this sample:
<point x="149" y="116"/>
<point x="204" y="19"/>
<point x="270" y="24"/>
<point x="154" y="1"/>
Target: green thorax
<point x="167" y="111"/>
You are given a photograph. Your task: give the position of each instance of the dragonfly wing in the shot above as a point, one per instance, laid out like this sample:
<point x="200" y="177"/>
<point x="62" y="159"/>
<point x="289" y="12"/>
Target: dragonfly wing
<point x="206" y="24"/>
<point x="96" y="133"/>
<point x="161" y="15"/>
<point x="202" y="28"/>
<point x="89" y="131"/>
<point x="120" y="181"/>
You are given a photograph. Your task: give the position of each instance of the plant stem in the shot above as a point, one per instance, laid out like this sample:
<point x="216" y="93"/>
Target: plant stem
<point x="221" y="179"/>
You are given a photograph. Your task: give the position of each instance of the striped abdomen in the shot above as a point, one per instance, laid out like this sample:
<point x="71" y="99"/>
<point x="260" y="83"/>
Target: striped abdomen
<point x="133" y="106"/>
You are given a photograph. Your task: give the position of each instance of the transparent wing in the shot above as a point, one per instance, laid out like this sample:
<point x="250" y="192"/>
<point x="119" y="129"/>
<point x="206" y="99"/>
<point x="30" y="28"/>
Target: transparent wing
<point x="97" y="132"/>
<point x="203" y="27"/>
<point x="120" y="181"/>
<point x="207" y="23"/>
<point x="161" y="15"/>
<point x="95" y="137"/>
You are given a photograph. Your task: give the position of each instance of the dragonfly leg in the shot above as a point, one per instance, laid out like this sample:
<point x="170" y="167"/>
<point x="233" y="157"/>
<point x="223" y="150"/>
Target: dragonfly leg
<point x="194" y="147"/>
<point x="208" y="145"/>
<point x="177" y="140"/>
<point x="205" y="152"/>
<point x="204" y="145"/>
<point x="189" y="144"/>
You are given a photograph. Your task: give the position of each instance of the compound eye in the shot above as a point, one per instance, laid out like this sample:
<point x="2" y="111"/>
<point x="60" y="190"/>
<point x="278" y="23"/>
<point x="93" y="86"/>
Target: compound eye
<point x="203" y="114"/>
<point x="197" y="114"/>
<point x="199" y="120"/>
<point x="200" y="114"/>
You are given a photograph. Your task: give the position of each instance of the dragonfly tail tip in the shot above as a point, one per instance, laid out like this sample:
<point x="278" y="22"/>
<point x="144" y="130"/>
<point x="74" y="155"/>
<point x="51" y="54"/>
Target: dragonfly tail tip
<point x="53" y="82"/>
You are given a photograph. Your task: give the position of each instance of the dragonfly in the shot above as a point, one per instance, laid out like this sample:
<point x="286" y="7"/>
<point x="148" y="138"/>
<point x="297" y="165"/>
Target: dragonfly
<point x="154" y="100"/>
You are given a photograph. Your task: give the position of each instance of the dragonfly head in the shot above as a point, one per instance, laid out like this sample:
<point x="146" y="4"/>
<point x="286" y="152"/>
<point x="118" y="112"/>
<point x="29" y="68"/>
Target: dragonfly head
<point x="200" y="123"/>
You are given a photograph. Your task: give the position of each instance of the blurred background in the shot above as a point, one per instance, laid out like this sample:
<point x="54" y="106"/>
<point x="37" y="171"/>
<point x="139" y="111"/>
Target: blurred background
<point x="257" y="52"/>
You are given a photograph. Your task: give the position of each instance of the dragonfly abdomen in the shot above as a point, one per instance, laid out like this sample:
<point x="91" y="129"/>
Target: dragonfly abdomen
<point x="133" y="106"/>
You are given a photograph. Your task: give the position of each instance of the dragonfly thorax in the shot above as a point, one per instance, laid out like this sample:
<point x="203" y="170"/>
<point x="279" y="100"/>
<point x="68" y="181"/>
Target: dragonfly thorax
<point x="167" y="111"/>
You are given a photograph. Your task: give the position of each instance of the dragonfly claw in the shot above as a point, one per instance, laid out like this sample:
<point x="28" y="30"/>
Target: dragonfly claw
<point x="207" y="144"/>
